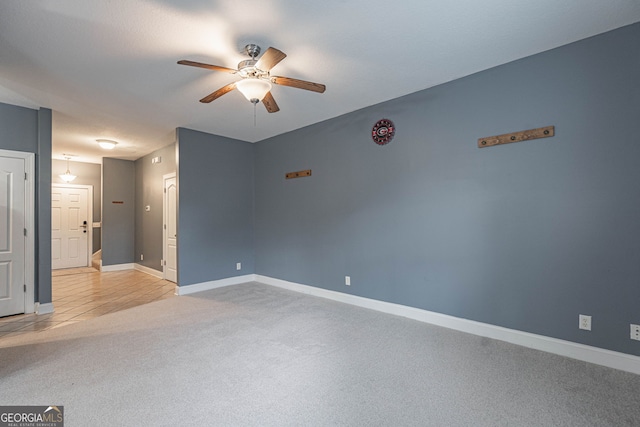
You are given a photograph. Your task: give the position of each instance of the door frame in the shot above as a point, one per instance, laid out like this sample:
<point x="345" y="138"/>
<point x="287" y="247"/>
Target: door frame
<point x="29" y="221"/>
<point x="165" y="177"/>
<point x="89" y="215"/>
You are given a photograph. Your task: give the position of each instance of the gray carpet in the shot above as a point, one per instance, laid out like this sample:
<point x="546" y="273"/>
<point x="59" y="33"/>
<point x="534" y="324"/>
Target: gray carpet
<point x="262" y="356"/>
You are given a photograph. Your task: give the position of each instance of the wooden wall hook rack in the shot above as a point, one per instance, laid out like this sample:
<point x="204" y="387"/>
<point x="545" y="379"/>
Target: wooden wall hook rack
<point x="525" y="135"/>
<point x="298" y="174"/>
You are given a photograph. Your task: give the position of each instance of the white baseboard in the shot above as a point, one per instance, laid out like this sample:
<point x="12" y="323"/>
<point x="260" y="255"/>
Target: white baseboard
<point x="599" y="356"/>
<point x="116" y="267"/>
<point x="45" y="308"/>
<point x="150" y="271"/>
<point x="214" y="284"/>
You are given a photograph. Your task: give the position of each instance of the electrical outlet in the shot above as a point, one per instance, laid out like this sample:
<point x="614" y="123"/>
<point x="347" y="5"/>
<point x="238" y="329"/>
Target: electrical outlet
<point x="141" y="257"/>
<point x="347" y="280"/>
<point x="238" y="266"/>
<point x="635" y="332"/>
<point x="585" y="322"/>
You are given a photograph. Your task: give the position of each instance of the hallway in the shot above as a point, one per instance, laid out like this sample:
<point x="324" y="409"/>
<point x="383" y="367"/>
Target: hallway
<point x="85" y="293"/>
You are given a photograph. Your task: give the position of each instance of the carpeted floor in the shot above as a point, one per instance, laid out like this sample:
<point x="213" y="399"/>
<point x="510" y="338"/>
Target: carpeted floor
<point x="257" y="355"/>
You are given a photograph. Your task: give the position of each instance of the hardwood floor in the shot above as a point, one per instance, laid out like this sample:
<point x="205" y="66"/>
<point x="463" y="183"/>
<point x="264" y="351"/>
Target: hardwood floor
<point x="84" y="293"/>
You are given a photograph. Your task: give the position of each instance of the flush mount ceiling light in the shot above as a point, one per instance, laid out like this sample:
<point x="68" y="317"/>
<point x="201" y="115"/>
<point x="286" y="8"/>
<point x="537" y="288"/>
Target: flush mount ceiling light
<point x="107" y="144"/>
<point x="67" y="176"/>
<point x="253" y="89"/>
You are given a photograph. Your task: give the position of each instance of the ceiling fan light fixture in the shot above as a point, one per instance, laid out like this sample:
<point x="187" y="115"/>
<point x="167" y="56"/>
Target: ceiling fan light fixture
<point x="106" y="144"/>
<point x="253" y="89"/>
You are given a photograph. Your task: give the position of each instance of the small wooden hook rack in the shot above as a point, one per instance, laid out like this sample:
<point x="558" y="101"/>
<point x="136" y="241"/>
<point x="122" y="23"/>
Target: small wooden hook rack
<point x="298" y="174"/>
<point x="525" y="135"/>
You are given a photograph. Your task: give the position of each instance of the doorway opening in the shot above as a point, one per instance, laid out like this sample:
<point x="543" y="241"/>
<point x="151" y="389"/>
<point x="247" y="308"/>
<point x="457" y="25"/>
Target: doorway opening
<point x="17" y="232"/>
<point x="170" y="228"/>
<point x="71" y="226"/>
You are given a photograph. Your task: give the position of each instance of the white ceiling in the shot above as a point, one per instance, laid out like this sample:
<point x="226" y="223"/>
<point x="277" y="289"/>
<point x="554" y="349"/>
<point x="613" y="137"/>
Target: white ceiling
<point x="107" y="68"/>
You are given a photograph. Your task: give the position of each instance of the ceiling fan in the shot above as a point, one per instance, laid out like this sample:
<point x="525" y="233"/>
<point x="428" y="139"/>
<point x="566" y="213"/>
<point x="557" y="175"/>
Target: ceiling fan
<point x="256" y="80"/>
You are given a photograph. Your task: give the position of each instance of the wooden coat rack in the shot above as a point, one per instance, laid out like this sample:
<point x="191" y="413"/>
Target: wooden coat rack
<point x="525" y="135"/>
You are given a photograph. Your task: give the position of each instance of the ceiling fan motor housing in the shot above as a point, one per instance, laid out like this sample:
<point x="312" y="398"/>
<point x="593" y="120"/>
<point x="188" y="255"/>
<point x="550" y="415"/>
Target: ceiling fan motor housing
<point x="247" y="68"/>
<point x="252" y="50"/>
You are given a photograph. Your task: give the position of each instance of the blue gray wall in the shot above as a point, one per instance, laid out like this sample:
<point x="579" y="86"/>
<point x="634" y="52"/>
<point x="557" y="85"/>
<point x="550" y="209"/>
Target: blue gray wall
<point x="149" y="192"/>
<point x="27" y="130"/>
<point x="43" y="206"/>
<point x="525" y="236"/>
<point x="118" y="219"/>
<point x="215" y="214"/>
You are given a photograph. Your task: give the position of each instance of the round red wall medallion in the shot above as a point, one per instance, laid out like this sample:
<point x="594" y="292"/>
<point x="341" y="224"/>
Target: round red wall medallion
<point x="383" y="131"/>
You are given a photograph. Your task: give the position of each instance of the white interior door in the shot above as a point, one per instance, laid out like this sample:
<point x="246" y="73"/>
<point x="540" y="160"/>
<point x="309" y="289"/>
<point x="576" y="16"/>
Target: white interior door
<point x="12" y="236"/>
<point x="70" y="226"/>
<point x="170" y="205"/>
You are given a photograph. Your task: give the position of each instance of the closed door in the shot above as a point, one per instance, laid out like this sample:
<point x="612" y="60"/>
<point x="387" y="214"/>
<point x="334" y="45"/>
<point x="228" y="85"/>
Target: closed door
<point x="12" y="236"/>
<point x="70" y="227"/>
<point x="170" y="264"/>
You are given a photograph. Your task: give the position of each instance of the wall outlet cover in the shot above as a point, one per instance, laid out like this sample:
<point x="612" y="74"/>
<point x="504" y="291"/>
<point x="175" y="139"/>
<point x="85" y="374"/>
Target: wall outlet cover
<point x="635" y="332"/>
<point x="584" y="322"/>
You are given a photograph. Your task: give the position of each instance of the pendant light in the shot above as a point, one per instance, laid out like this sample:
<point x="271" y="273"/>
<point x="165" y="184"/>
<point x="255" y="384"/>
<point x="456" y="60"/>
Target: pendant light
<point x="67" y="176"/>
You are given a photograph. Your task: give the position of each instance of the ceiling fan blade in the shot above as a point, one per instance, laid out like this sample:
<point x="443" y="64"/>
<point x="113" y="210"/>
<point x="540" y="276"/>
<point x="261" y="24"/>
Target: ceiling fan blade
<point x="217" y="94"/>
<point x="207" y="66"/>
<point x="270" y="58"/>
<point x="270" y="103"/>
<point x="300" y="84"/>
